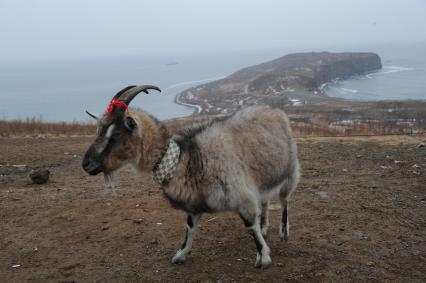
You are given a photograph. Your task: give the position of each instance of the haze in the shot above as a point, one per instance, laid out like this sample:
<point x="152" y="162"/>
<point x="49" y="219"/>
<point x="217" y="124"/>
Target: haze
<point x="51" y="29"/>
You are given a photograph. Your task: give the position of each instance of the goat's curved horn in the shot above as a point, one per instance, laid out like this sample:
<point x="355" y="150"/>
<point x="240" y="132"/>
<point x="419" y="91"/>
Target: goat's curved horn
<point x="118" y="94"/>
<point x="128" y="95"/>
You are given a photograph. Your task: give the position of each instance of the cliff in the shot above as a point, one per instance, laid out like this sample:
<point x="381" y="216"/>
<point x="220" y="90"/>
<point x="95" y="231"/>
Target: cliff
<point x="292" y="72"/>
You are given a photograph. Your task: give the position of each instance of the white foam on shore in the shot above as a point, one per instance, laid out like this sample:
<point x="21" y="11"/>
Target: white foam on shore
<point x="323" y="86"/>
<point x="349" y="90"/>
<point x="190" y="84"/>
<point x="394" y="69"/>
<point x="197" y="107"/>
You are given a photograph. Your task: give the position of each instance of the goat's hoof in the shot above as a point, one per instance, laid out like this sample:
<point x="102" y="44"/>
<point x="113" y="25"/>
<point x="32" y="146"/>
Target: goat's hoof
<point x="263" y="261"/>
<point x="258" y="261"/>
<point x="284" y="237"/>
<point x="178" y="258"/>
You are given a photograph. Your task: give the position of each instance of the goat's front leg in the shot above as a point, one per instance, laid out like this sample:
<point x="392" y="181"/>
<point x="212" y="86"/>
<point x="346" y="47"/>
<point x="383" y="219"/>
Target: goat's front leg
<point x="192" y="222"/>
<point x="252" y="223"/>
<point x="109" y="179"/>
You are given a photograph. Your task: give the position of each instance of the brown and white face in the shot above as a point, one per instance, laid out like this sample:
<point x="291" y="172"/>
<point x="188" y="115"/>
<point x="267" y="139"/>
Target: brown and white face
<point x="118" y="138"/>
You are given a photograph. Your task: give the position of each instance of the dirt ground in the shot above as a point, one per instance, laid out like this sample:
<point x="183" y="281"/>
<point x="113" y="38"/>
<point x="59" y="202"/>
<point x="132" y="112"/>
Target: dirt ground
<point x="359" y="215"/>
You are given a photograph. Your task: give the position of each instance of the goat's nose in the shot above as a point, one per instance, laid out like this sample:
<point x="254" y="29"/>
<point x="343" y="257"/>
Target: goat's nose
<point x="91" y="166"/>
<point x="86" y="162"/>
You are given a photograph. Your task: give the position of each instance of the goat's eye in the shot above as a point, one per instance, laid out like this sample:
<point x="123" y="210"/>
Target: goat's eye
<point x="130" y="123"/>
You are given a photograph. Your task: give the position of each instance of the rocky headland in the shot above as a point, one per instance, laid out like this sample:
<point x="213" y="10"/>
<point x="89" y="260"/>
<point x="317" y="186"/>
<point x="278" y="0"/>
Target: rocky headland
<point x="267" y="82"/>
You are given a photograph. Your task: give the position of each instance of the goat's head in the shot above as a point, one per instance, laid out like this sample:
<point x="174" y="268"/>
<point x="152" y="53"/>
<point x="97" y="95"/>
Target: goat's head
<point x="119" y="135"/>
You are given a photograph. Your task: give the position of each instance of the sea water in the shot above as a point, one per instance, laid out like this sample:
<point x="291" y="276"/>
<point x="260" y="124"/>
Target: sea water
<point x="63" y="90"/>
<point x="402" y="77"/>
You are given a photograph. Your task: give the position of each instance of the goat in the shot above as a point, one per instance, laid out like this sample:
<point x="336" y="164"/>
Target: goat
<point x="235" y="163"/>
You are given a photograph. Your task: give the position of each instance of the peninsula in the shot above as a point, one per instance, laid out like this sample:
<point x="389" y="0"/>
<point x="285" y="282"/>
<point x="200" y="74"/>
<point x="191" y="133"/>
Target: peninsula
<point x="267" y="81"/>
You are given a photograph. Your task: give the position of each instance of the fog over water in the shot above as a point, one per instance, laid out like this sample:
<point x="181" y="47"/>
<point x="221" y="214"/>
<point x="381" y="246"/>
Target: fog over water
<point x="58" y="58"/>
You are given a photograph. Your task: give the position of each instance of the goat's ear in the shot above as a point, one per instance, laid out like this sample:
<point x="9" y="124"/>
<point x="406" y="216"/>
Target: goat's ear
<point x="177" y="137"/>
<point x="92" y="115"/>
<point x="130" y="123"/>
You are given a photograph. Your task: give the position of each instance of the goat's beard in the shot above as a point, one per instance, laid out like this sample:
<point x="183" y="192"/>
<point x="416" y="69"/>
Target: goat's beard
<point x="109" y="181"/>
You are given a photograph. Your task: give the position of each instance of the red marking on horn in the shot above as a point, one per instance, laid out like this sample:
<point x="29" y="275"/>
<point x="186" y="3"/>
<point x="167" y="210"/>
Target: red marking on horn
<point x="116" y="102"/>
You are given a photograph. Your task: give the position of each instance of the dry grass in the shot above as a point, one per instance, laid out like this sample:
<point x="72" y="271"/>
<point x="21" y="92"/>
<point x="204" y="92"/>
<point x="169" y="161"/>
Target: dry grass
<point x="356" y="129"/>
<point x="35" y="126"/>
<point x="395" y="140"/>
<point x="313" y="128"/>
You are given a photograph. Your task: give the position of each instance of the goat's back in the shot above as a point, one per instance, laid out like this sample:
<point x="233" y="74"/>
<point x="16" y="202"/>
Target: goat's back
<point x="254" y="147"/>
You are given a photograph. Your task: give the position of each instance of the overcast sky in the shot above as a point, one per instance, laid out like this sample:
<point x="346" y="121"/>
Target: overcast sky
<point x="42" y="29"/>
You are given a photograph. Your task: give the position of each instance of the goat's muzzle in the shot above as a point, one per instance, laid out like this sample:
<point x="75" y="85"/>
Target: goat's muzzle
<point x="91" y="165"/>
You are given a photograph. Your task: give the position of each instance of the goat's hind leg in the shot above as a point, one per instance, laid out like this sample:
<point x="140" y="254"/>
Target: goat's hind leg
<point x="252" y="222"/>
<point x="264" y="219"/>
<point x="284" y="228"/>
<point x="182" y="253"/>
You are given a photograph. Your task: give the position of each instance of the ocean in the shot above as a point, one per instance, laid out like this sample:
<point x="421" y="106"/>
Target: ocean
<point x="403" y="76"/>
<point x="62" y="90"/>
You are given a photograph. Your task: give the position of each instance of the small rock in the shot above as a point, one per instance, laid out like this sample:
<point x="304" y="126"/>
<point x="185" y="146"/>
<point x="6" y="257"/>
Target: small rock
<point x="39" y="176"/>
<point x="13" y="169"/>
<point x="421" y="145"/>
<point x="279" y="264"/>
<point x="153" y="242"/>
<point x="104" y="228"/>
<point x="370" y="263"/>
<point x="322" y="195"/>
<point x="138" y="221"/>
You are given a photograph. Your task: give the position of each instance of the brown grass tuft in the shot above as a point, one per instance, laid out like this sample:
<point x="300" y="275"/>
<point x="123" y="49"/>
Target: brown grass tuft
<point x="36" y="126"/>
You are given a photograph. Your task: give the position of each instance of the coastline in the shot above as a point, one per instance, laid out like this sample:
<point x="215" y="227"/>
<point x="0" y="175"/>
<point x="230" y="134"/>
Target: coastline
<point x="197" y="108"/>
<point x="190" y="84"/>
<point x="317" y="95"/>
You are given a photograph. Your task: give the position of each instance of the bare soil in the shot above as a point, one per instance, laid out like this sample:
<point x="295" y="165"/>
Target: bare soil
<point x="359" y="215"/>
